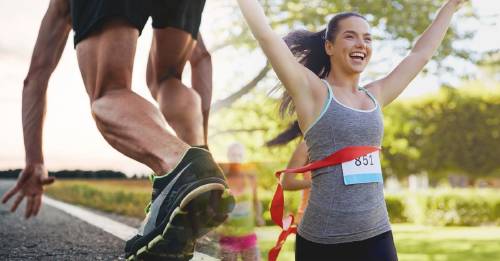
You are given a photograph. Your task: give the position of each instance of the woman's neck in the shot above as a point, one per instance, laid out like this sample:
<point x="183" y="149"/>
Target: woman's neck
<point x="343" y="80"/>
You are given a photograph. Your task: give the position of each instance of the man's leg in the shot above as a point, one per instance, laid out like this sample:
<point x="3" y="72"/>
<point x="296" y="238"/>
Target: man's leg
<point x="180" y="105"/>
<point x="188" y="201"/>
<point x="201" y="79"/>
<point x="127" y="121"/>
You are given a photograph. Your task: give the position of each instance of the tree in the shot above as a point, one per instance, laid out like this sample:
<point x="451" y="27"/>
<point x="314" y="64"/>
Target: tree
<point x="251" y="122"/>
<point x="456" y="131"/>
<point x="490" y="64"/>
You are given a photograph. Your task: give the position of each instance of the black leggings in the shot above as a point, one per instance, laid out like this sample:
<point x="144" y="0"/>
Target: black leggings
<point x="378" y="248"/>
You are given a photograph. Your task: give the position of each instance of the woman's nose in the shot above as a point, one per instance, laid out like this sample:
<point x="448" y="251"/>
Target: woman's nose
<point x="360" y="43"/>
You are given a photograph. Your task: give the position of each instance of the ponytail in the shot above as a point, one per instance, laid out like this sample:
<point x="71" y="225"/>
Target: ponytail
<point x="309" y="48"/>
<point x="292" y="132"/>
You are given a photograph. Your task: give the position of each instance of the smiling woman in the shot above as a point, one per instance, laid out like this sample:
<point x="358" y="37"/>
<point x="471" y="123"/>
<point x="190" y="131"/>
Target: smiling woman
<point x="336" y="115"/>
<point x="349" y="55"/>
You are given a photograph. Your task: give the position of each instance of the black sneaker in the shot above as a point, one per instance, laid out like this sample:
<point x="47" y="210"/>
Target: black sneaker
<point x="186" y="204"/>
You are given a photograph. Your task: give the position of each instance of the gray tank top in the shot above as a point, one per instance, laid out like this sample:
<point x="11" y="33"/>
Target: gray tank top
<point x="338" y="213"/>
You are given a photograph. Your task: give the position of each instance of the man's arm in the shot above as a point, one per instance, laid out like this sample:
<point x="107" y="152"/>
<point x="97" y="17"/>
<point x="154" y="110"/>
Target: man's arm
<point x="201" y="79"/>
<point x="52" y="37"/>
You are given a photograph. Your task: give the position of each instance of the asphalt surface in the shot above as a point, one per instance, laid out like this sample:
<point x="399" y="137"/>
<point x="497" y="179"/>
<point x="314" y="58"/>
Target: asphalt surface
<point x="52" y="235"/>
<point x="55" y="235"/>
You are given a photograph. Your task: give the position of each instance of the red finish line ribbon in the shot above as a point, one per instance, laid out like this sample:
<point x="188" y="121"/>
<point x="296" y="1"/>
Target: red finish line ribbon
<point x="277" y="205"/>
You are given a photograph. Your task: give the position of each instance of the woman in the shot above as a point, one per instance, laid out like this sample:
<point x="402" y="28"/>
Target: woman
<point x="346" y="218"/>
<point x="237" y="233"/>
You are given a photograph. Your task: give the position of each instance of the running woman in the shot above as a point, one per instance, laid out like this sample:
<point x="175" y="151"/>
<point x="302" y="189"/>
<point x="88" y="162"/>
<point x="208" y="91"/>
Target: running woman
<point x="346" y="218"/>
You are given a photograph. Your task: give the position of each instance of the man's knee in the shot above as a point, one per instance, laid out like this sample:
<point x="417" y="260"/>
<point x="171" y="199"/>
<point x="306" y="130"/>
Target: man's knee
<point x="104" y="103"/>
<point x="98" y="106"/>
<point x="185" y="102"/>
<point x="200" y="56"/>
<point x="99" y="91"/>
<point x="171" y="73"/>
<point x="159" y="82"/>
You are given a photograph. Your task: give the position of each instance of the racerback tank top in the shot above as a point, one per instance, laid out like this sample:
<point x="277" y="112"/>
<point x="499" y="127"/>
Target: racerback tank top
<point x="338" y="213"/>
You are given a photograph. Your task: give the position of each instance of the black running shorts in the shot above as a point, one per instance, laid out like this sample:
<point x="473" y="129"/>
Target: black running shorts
<point x="89" y="15"/>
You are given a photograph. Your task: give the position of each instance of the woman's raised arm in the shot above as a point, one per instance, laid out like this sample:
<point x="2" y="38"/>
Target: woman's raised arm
<point x="293" y="75"/>
<point x="390" y="87"/>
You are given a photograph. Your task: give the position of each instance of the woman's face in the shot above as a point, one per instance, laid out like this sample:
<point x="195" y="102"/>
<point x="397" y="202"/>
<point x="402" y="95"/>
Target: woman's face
<point x="352" y="48"/>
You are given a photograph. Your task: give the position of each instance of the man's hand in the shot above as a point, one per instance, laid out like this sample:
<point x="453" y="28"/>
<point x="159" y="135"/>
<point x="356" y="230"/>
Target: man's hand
<point x="30" y="185"/>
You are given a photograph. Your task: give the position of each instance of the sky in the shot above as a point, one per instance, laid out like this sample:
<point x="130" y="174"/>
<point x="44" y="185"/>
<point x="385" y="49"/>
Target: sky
<point x="71" y="140"/>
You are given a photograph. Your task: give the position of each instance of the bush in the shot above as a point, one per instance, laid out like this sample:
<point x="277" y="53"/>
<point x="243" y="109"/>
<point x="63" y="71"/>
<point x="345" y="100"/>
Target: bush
<point x="457" y="207"/>
<point x="496" y="212"/>
<point x="454" y="208"/>
<point x="396" y="208"/>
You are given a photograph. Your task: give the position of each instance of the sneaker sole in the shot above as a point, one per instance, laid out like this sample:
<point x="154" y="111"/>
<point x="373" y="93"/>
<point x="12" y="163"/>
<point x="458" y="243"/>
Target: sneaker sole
<point x="202" y="210"/>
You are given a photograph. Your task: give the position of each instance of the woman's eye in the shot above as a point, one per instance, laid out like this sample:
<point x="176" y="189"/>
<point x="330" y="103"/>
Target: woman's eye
<point x="349" y="37"/>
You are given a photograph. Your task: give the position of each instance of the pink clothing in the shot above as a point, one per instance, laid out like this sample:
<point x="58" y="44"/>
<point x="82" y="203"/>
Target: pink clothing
<point x="238" y="244"/>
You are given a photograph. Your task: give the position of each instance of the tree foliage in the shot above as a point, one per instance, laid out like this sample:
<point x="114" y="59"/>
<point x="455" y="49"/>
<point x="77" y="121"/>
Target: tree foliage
<point x="455" y="131"/>
<point x="251" y="122"/>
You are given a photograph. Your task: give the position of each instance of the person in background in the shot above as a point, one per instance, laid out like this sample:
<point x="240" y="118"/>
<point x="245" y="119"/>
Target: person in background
<point x="237" y="235"/>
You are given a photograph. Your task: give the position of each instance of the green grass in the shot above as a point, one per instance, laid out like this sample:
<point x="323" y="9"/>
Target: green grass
<point x="418" y="243"/>
<point x="125" y="197"/>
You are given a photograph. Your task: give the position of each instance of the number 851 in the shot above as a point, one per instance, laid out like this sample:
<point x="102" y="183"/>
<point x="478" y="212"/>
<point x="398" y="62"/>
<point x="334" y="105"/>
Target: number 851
<point x="365" y="161"/>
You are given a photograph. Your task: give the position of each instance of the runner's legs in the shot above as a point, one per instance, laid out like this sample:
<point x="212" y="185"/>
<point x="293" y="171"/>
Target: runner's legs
<point x="127" y="121"/>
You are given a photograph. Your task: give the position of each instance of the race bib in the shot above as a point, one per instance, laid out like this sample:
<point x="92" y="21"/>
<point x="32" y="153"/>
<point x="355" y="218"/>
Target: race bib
<point x="365" y="169"/>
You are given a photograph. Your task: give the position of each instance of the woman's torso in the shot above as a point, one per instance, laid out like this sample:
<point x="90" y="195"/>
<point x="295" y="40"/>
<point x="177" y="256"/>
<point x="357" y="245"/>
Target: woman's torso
<point x="338" y="213"/>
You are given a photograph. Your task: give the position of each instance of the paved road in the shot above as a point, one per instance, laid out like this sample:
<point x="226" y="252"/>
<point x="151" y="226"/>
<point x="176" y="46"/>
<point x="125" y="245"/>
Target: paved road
<point x="53" y="235"/>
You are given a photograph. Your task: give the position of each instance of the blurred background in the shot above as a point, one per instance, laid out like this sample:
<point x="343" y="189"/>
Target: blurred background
<point x="441" y="149"/>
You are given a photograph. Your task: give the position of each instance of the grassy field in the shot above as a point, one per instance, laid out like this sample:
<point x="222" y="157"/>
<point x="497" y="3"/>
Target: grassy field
<point x="126" y="197"/>
<point x="414" y="243"/>
<point x="419" y="243"/>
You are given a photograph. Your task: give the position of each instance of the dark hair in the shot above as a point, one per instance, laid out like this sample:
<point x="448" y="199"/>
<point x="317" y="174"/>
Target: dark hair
<point x="292" y="132"/>
<point x="309" y="48"/>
